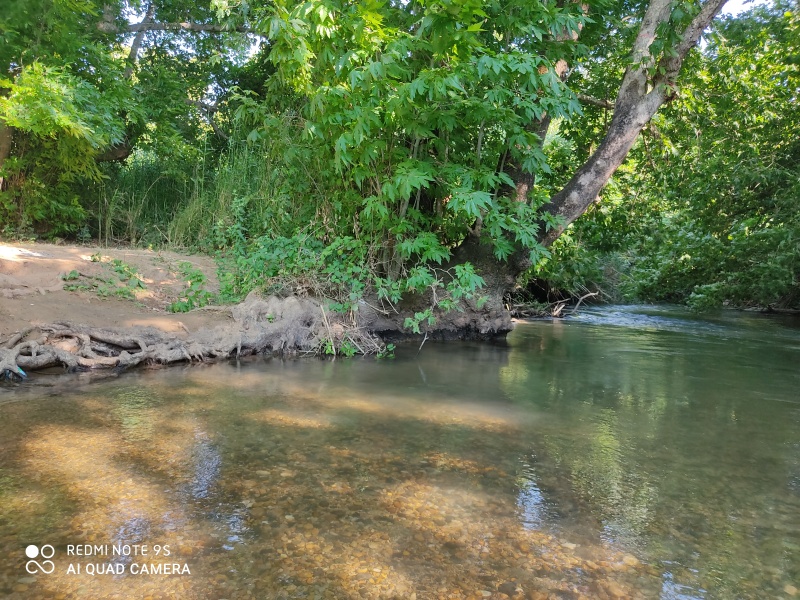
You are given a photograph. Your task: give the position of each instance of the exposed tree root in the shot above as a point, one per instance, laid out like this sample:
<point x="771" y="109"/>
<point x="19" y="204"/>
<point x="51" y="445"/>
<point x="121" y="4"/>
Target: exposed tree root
<point x="286" y="326"/>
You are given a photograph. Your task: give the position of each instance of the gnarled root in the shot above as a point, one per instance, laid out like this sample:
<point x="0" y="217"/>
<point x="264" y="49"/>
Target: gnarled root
<point x="278" y="326"/>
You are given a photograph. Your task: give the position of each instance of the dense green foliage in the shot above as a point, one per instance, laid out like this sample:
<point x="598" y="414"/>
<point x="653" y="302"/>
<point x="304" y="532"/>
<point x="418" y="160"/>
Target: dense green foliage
<point x="358" y="144"/>
<point x="61" y="108"/>
<point x="70" y="91"/>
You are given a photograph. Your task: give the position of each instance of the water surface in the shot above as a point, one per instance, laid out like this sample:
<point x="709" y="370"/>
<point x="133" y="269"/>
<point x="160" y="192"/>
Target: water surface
<point x="626" y="452"/>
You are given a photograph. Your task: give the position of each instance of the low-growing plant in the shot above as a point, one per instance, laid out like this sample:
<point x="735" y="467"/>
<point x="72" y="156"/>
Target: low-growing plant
<point x="195" y="295"/>
<point x="122" y="283"/>
<point x="127" y="274"/>
<point x="387" y="352"/>
<point x="348" y="349"/>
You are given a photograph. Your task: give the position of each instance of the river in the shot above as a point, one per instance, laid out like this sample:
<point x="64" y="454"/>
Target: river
<point x="626" y="452"/>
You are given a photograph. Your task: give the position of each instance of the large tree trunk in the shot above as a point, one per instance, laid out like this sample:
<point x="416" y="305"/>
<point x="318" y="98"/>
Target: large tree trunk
<point x="626" y="124"/>
<point x="639" y="98"/>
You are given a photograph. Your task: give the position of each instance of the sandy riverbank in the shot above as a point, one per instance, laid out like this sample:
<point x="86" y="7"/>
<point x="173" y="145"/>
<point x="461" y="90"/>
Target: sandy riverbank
<point x="32" y="288"/>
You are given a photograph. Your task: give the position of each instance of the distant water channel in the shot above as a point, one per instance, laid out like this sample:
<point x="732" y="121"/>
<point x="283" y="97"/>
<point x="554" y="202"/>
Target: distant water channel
<point x="628" y="452"/>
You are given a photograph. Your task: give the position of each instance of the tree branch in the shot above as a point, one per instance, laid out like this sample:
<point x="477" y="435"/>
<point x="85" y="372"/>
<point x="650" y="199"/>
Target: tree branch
<point x="193" y="27"/>
<point x="117" y="152"/>
<point x="690" y="37"/>
<point x="634" y="82"/>
<point x="658" y="12"/>
<point x="595" y="101"/>
<point x="133" y="55"/>
<point x="209" y="110"/>
<point x="636" y="104"/>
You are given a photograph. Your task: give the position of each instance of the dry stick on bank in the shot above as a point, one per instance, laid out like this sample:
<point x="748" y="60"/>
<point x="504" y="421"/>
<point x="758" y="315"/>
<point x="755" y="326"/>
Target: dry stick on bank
<point x="553" y="309"/>
<point x="328" y="328"/>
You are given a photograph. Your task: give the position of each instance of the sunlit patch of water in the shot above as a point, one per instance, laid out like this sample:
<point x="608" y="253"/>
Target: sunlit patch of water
<point x="671" y="590"/>
<point x="536" y="511"/>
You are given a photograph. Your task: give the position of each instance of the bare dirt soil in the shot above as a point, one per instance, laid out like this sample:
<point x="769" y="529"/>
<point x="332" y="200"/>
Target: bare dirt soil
<point x="76" y="307"/>
<point x="32" y="288"/>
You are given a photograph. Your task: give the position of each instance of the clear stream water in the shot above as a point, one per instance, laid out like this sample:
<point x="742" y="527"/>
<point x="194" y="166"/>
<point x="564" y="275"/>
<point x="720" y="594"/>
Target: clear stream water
<point x="628" y="452"/>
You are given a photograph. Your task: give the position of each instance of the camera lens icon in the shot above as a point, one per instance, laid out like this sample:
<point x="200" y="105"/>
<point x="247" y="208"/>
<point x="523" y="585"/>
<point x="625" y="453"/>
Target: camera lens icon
<point x="46" y="552"/>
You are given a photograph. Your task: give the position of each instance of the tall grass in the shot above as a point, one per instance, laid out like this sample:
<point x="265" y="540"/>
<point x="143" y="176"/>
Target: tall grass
<point x="139" y="199"/>
<point x="274" y="185"/>
<point x="248" y="191"/>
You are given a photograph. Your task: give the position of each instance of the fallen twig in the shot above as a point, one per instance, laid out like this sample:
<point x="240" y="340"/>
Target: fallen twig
<point x="581" y="299"/>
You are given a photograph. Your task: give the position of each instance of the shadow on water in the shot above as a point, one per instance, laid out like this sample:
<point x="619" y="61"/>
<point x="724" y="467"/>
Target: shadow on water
<point x="581" y="460"/>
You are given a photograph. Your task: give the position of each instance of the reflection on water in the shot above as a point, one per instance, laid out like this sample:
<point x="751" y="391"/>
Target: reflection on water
<point x="678" y="438"/>
<point x="635" y="453"/>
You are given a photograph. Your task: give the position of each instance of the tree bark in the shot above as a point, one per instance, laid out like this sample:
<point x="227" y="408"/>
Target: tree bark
<point x="639" y="98"/>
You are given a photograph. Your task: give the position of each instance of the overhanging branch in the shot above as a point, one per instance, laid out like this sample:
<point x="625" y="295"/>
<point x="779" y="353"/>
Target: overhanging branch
<point x="209" y="110"/>
<point x="185" y="26"/>
<point x="117" y="152"/>
<point x="595" y="101"/>
<point x="691" y="35"/>
<point x="639" y="98"/>
<point x="137" y="42"/>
